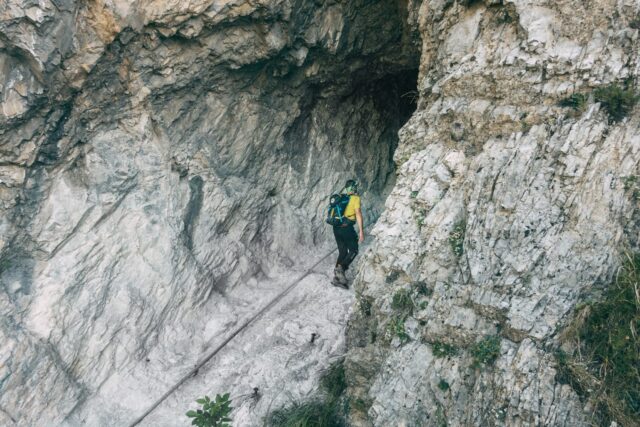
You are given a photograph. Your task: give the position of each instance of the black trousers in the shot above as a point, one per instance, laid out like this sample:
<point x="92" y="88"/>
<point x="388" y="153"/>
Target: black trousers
<point x="347" y="241"/>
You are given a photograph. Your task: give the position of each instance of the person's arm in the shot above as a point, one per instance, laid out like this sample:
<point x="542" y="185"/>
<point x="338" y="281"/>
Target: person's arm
<point x="360" y="225"/>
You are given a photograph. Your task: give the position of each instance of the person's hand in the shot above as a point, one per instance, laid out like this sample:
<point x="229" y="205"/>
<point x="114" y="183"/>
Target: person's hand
<point x="361" y="238"/>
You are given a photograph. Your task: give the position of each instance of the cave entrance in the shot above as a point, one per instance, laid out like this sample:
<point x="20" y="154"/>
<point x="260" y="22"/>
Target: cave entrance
<point x="344" y="133"/>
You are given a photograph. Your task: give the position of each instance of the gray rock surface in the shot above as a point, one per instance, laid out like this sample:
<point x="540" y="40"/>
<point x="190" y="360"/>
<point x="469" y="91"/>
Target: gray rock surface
<point x="535" y="195"/>
<point x="164" y="166"/>
<point x="159" y="156"/>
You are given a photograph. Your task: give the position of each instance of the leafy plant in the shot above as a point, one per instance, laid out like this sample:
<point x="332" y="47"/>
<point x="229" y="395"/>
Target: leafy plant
<point x="414" y="194"/>
<point x="618" y="102"/>
<point x="456" y="238"/>
<point x="443" y="385"/>
<point x="214" y="413"/>
<point x="402" y="301"/>
<point x="605" y="364"/>
<point x="441" y="349"/>
<point x="486" y="351"/>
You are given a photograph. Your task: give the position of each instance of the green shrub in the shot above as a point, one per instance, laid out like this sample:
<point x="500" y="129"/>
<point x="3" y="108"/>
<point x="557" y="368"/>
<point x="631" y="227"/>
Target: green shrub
<point x="443" y="385"/>
<point x="324" y="412"/>
<point x="456" y="238"/>
<point x="441" y="349"/>
<point x="616" y="101"/>
<point x="402" y="301"/>
<point x="486" y="351"/>
<point x="577" y="102"/>
<point x="414" y="194"/>
<point x="214" y="413"/>
<point x="605" y="366"/>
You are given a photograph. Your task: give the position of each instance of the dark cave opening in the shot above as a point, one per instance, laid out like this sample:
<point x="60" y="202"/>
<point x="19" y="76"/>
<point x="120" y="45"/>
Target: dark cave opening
<point x="351" y="133"/>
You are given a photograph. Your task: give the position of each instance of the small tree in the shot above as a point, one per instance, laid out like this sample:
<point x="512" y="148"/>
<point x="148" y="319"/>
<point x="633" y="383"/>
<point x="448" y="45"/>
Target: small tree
<point x="213" y="413"/>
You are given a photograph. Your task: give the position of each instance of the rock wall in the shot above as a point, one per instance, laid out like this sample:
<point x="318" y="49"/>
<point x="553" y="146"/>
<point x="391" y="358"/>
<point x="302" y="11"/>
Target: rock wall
<point x="159" y="160"/>
<point x="154" y="155"/>
<point x="508" y="210"/>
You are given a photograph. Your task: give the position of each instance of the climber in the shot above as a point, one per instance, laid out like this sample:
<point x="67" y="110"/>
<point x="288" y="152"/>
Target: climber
<point x="345" y="233"/>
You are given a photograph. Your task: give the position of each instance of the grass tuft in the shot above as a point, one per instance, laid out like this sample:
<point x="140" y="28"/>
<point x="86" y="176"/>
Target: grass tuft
<point x="323" y="412"/>
<point x="486" y="351"/>
<point x="577" y="102"/>
<point x="308" y="414"/>
<point x="441" y="349"/>
<point x="402" y="301"/>
<point x="604" y="366"/>
<point x="616" y="101"/>
<point x="396" y="327"/>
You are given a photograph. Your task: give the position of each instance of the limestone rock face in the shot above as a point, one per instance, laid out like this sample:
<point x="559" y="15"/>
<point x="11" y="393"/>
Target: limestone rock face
<point x="164" y="166"/>
<point x="508" y="210"/>
<point x="161" y="164"/>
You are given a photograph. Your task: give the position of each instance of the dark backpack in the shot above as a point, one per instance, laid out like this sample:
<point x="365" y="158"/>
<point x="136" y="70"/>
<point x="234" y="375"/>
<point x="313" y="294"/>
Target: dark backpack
<point x="335" y="211"/>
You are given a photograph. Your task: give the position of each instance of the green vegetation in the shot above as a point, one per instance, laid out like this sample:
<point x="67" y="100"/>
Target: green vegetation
<point x="392" y="276"/>
<point x="616" y="101"/>
<point x="5" y="264"/>
<point x="443" y="385"/>
<point x="486" y="351"/>
<point x="323" y="412"/>
<point x="421" y="215"/>
<point x="396" y="327"/>
<point x="441" y="349"/>
<point x="456" y="238"/>
<point x="577" y="102"/>
<point x="308" y="414"/>
<point x="360" y="404"/>
<point x="402" y="301"/>
<point x="214" y="413"/>
<point x="365" y="306"/>
<point x="333" y="381"/>
<point x="421" y="288"/>
<point x="632" y="185"/>
<point x="414" y="194"/>
<point x="604" y="365"/>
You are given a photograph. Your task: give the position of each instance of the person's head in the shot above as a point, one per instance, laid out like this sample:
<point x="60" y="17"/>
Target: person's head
<point x="351" y="186"/>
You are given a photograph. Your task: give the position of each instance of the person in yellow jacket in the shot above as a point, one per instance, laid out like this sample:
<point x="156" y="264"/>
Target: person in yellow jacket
<point x="345" y="234"/>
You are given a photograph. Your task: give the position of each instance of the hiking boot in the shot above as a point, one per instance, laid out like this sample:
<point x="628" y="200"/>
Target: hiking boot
<point x="339" y="275"/>
<point x="336" y="282"/>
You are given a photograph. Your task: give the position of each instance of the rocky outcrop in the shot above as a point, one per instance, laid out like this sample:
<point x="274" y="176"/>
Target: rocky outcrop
<point x="157" y="155"/>
<point x="164" y="166"/>
<point x="508" y="210"/>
